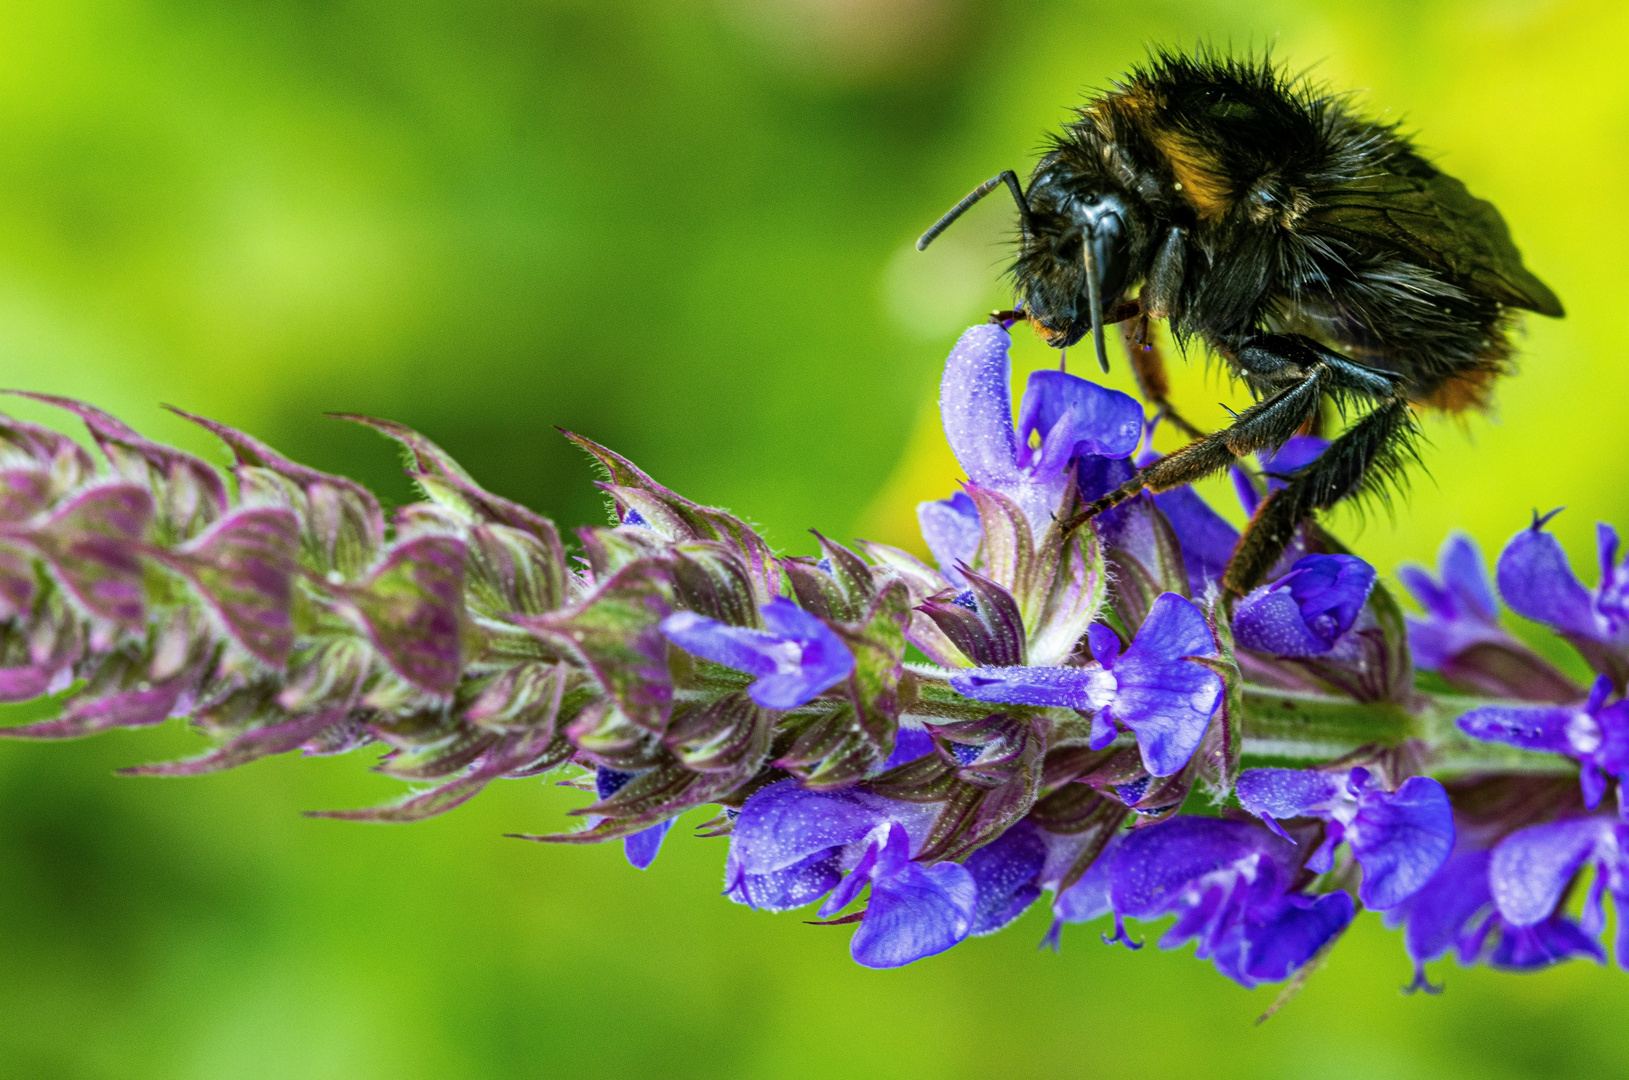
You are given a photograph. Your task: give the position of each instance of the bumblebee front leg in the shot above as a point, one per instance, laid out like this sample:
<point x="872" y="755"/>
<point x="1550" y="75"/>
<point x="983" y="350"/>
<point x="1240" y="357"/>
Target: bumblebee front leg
<point x="1119" y="313"/>
<point x="1148" y="365"/>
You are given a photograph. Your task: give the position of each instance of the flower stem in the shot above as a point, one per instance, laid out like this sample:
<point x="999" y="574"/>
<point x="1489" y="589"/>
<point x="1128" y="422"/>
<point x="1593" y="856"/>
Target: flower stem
<point x="1287" y="725"/>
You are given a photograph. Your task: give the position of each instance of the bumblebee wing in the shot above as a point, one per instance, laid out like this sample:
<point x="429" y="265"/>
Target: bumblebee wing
<point x="1430" y="217"/>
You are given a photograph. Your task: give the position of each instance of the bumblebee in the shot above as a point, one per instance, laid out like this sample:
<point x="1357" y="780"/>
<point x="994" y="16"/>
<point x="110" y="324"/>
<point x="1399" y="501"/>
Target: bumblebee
<point x="1315" y="251"/>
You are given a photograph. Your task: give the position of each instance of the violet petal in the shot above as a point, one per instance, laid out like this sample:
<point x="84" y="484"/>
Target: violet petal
<point x="914" y="911"/>
<point x="1275" y="948"/>
<point x="1400" y="839"/>
<point x="909" y="744"/>
<point x="1156" y="866"/>
<point x="783" y="824"/>
<point x="1438" y="915"/>
<point x="738" y="647"/>
<point x="1465" y="577"/>
<point x="975" y="402"/>
<point x="952" y="531"/>
<point x="1544" y="944"/>
<point x="1088" y="688"/>
<point x="1166" y="701"/>
<point x="1006" y="872"/>
<point x="803" y="882"/>
<point x="1537" y="727"/>
<point x="1296" y="454"/>
<point x="1268" y="621"/>
<point x="641" y="847"/>
<point x="1286" y="793"/>
<point x="1088" y="898"/>
<point x="1532" y="866"/>
<point x="1104" y="644"/>
<point x="1537" y="582"/>
<point x="1325" y="594"/>
<point x="1107" y="423"/>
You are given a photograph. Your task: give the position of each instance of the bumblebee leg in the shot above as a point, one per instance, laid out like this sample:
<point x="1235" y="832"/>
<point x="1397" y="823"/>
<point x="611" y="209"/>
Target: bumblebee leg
<point x="1316" y="424"/>
<point x="1372" y="452"/>
<point x="1119" y="313"/>
<point x="1305" y="371"/>
<point x="1265" y="424"/>
<point x="1148" y="365"/>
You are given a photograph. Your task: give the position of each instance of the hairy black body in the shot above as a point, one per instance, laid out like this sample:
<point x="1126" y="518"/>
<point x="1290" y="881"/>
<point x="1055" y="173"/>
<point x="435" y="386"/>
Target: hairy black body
<point x="1315" y="251"/>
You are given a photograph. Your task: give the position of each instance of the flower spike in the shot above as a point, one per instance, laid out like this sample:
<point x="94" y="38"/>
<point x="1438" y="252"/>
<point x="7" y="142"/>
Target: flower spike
<point x="1072" y="700"/>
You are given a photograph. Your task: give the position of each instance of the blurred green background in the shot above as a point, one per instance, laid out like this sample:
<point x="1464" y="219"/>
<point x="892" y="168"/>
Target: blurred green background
<point x="684" y="229"/>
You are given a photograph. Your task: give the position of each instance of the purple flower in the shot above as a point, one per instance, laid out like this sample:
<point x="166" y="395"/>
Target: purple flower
<point x="1460" y="611"/>
<point x="791" y="846"/>
<point x="1207" y="538"/>
<point x="952" y="531"/>
<point x="1305" y="612"/>
<point x="640" y="848"/>
<point x="1299" y="452"/>
<point x="1595" y="733"/>
<point x="1073" y="417"/>
<point x="1165" y="700"/>
<point x="1537" y="582"/>
<point x="1400" y="838"/>
<point x="1007" y="872"/>
<point x="1533" y="868"/>
<point x="1460" y="636"/>
<point x="1455" y="910"/>
<point x="797" y="658"/>
<point x="1229" y="883"/>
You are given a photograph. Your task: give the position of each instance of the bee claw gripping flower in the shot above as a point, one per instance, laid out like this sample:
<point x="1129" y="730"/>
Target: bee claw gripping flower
<point x="1079" y="716"/>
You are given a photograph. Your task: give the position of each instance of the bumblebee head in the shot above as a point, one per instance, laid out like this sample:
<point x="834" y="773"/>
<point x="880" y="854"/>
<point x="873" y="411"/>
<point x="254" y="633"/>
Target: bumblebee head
<point x="1074" y="259"/>
<point x="1075" y="252"/>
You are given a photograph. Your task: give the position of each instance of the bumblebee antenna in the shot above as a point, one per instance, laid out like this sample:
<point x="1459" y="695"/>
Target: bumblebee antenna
<point x="1008" y="177"/>
<point x="1094" y="297"/>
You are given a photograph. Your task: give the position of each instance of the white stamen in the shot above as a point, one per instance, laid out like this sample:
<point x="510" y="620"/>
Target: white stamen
<point x="1583" y="733"/>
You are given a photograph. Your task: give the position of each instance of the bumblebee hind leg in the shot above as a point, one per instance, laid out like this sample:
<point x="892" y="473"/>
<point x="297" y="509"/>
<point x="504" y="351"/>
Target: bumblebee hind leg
<point x="1368" y="457"/>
